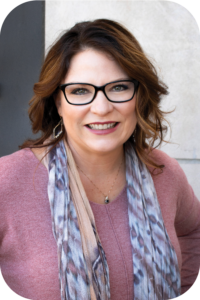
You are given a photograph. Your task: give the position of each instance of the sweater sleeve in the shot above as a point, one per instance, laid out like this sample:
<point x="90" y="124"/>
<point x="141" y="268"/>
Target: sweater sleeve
<point x="187" y="225"/>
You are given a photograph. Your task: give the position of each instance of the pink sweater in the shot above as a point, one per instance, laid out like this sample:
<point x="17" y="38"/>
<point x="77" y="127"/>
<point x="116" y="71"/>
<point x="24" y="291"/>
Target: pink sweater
<point x="28" y="254"/>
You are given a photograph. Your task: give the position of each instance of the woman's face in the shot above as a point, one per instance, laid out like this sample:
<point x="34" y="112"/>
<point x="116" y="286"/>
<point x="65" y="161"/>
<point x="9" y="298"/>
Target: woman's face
<point x="95" y="67"/>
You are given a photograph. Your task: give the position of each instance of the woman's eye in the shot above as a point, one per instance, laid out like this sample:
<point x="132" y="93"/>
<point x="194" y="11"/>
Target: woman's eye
<point x="80" y="91"/>
<point x="119" y="88"/>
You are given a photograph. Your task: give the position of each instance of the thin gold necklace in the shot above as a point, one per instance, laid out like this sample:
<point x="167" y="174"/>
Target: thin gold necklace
<point x="106" y="199"/>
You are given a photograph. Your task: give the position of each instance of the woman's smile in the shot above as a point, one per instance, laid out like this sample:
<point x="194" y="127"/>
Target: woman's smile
<point x="103" y="128"/>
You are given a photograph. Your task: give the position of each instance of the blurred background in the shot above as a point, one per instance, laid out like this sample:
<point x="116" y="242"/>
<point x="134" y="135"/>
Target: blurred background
<point x="168" y="34"/>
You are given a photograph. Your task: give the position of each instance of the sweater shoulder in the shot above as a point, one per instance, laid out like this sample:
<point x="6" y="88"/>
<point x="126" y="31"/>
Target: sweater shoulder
<point x="16" y="162"/>
<point x="173" y="183"/>
<point x="171" y="165"/>
<point x="17" y="167"/>
<point x="172" y="177"/>
<point x="17" y="157"/>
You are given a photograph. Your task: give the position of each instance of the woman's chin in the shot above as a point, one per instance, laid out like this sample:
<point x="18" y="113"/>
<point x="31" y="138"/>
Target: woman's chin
<point x="96" y="146"/>
<point x="104" y="148"/>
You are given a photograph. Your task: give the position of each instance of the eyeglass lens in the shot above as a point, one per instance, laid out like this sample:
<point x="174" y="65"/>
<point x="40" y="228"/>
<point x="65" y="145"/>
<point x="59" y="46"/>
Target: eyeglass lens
<point x="84" y="93"/>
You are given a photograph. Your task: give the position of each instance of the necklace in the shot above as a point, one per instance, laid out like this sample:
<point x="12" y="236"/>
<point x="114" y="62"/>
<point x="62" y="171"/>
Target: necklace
<point x="106" y="199"/>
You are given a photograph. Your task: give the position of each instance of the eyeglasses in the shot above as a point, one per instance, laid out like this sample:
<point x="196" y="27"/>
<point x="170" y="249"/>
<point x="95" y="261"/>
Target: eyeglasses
<point x="84" y="93"/>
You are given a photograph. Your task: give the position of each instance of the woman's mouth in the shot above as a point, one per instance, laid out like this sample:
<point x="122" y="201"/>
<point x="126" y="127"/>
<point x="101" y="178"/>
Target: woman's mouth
<point x="102" y="126"/>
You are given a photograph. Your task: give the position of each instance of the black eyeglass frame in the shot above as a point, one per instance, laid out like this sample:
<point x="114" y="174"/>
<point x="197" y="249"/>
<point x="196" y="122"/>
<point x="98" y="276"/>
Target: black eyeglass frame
<point x="99" y="88"/>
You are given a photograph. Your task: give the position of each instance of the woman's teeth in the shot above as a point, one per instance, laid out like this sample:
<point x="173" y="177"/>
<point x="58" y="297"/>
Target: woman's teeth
<point x="102" y="126"/>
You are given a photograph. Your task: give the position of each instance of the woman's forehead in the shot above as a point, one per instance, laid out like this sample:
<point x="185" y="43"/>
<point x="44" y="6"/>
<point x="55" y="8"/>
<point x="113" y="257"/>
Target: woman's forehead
<point x="91" y="64"/>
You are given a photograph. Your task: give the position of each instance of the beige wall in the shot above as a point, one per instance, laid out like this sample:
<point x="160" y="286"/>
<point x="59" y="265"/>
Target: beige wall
<point x="170" y="36"/>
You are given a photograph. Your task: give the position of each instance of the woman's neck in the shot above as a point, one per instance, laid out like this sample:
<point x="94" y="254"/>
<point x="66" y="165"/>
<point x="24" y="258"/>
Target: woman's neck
<point x="102" y="174"/>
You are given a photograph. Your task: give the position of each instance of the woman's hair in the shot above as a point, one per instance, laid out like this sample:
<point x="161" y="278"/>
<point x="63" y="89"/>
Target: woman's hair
<point x="110" y="37"/>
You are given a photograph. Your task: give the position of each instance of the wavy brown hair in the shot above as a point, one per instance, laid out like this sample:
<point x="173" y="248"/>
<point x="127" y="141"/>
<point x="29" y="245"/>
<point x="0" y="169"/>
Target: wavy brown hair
<point x="110" y="37"/>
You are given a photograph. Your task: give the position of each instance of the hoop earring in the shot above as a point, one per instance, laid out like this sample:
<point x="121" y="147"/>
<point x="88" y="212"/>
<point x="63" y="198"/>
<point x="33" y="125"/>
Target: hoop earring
<point x="55" y="136"/>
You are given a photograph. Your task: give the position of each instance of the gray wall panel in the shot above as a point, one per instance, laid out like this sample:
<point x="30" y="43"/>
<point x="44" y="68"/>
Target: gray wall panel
<point x="21" y="56"/>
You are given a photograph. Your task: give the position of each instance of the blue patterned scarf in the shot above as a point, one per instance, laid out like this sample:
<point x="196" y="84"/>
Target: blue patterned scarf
<point x="83" y="269"/>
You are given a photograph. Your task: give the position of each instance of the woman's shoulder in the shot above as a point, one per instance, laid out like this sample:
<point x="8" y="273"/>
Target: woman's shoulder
<point x="17" y="165"/>
<point x="18" y="159"/>
<point x="22" y="176"/>
<point x="172" y="184"/>
<point x="171" y="165"/>
<point x="15" y="156"/>
<point x="172" y="179"/>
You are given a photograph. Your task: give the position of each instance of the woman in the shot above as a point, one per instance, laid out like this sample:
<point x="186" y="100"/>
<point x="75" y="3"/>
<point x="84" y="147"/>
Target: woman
<point x="118" y="221"/>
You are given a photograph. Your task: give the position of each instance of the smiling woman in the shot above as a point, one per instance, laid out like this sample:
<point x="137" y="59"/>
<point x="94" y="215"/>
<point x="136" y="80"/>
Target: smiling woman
<point x="109" y="212"/>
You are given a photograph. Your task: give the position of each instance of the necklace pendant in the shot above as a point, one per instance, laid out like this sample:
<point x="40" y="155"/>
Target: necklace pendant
<point x="106" y="200"/>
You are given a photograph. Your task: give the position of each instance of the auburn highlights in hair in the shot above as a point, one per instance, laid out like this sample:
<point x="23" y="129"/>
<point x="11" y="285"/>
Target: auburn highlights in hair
<point x="112" y="38"/>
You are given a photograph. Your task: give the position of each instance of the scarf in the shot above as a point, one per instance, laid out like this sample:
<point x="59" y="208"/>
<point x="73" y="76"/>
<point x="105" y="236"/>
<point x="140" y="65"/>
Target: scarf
<point x="83" y="269"/>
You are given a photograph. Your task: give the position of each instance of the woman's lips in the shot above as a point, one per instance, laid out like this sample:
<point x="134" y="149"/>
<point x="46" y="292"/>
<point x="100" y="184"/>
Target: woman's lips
<point x="102" y="128"/>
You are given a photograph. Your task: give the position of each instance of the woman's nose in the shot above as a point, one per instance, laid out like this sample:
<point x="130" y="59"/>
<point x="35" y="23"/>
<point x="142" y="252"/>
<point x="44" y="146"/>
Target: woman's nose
<point x="101" y="105"/>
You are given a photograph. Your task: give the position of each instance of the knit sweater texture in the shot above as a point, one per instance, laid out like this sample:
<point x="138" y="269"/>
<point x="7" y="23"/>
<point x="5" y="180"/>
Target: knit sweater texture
<point x="28" y="253"/>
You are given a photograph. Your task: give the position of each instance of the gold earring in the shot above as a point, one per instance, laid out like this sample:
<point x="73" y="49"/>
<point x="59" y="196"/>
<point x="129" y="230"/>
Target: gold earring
<point x="55" y="136"/>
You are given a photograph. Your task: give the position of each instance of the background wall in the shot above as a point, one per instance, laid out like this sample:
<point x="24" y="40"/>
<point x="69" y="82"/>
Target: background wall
<point x="170" y="37"/>
<point x="21" y="56"/>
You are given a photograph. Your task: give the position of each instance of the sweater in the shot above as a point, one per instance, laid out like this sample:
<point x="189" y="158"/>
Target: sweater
<point x="28" y="251"/>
